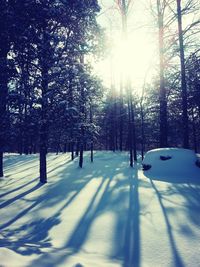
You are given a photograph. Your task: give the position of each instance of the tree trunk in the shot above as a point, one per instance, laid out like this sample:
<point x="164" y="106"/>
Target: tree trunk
<point x="81" y="156"/>
<point x="91" y="145"/>
<point x="77" y="148"/>
<point x="43" y="146"/>
<point x="183" y="79"/>
<point x="43" y="122"/>
<point x="91" y="152"/>
<point x="4" y="48"/>
<point x="1" y="164"/>
<point x="82" y="109"/>
<point x="43" y="164"/>
<point x="163" y="101"/>
<point x="72" y="150"/>
<point x="57" y="149"/>
<point x="121" y="121"/>
<point x="142" y="125"/>
<point x="130" y="134"/>
<point x="133" y="129"/>
<point x="194" y="131"/>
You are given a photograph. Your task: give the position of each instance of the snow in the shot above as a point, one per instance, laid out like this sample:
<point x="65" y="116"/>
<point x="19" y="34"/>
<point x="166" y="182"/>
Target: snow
<point x="178" y="165"/>
<point x="104" y="215"/>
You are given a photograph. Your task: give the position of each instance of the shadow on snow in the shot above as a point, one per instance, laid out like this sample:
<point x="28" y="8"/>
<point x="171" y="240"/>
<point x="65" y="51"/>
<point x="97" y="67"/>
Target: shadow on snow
<point x="120" y="196"/>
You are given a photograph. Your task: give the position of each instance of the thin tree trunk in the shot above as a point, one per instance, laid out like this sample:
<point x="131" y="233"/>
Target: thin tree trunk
<point x="133" y="129"/>
<point x="43" y="148"/>
<point x="72" y="150"/>
<point x="3" y="97"/>
<point x="142" y="124"/>
<point x="130" y="134"/>
<point x="91" y="145"/>
<point x="57" y="149"/>
<point x="121" y="121"/>
<point x="77" y="148"/>
<point x="194" y="132"/>
<point x="163" y="101"/>
<point x="115" y="123"/>
<point x="81" y="156"/>
<point x="43" y="164"/>
<point x="1" y="164"/>
<point x="82" y="126"/>
<point x="43" y="153"/>
<point x="43" y="126"/>
<point x="20" y="141"/>
<point x="183" y="79"/>
<point x="26" y="142"/>
<point x="142" y="127"/>
<point x="92" y="152"/>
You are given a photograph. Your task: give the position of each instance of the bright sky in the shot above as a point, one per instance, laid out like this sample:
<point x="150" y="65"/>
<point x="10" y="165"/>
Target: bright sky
<point x="138" y="58"/>
<point x="135" y="57"/>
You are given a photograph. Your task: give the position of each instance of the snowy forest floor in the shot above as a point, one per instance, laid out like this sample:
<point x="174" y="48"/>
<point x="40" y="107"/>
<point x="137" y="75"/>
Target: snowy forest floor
<point x="106" y="214"/>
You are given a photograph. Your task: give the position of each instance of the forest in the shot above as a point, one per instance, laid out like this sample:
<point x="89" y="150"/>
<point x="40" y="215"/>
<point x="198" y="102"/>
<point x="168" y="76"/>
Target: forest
<point x="99" y="133"/>
<point x="52" y="100"/>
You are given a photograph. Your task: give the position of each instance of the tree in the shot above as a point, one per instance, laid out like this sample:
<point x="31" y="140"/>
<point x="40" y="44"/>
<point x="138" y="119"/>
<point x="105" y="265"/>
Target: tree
<point x="183" y="78"/>
<point x="4" y="49"/>
<point x="163" y="102"/>
<point x="124" y="7"/>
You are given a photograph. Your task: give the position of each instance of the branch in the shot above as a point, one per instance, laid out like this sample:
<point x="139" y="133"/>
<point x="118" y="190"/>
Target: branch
<point x="197" y="22"/>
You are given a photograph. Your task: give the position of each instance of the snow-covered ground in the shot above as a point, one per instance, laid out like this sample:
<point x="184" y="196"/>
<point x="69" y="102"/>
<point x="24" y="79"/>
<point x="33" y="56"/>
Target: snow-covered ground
<point x="104" y="215"/>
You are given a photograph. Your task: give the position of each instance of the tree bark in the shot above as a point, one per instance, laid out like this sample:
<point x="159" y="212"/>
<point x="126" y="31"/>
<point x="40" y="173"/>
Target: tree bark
<point x="91" y="145"/>
<point x="121" y="120"/>
<point x="183" y="79"/>
<point x="81" y="156"/>
<point x="133" y="129"/>
<point x="1" y="164"/>
<point x="130" y="134"/>
<point x="82" y="108"/>
<point x="43" y="125"/>
<point x="77" y="148"/>
<point x="4" y="49"/>
<point x="194" y="131"/>
<point x="72" y="150"/>
<point x="163" y="101"/>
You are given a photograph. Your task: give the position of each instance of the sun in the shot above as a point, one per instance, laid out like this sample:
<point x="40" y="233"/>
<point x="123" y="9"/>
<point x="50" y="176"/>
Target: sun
<point x="132" y="59"/>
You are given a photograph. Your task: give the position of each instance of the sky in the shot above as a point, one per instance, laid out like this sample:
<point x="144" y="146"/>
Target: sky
<point x="137" y="56"/>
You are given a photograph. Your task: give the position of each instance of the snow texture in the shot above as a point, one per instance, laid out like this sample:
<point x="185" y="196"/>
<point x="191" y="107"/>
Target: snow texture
<point x="177" y="164"/>
<point x="104" y="215"/>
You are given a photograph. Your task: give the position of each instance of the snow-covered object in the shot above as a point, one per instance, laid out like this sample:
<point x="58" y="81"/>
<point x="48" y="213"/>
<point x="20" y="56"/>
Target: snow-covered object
<point x="170" y="161"/>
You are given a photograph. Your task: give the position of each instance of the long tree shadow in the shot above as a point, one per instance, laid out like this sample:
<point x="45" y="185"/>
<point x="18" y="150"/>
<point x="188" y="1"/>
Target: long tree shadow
<point x="96" y="206"/>
<point x="56" y="192"/>
<point x="18" y="161"/>
<point x="11" y="200"/>
<point x="175" y="176"/>
<point x="40" y="240"/>
<point x="80" y="233"/>
<point x="34" y="238"/>
<point x="132" y="237"/>
<point x="18" y="188"/>
<point x="176" y="256"/>
<point x="191" y="199"/>
<point x="68" y="186"/>
<point x="13" y="168"/>
<point x="126" y="244"/>
<point x="18" y="164"/>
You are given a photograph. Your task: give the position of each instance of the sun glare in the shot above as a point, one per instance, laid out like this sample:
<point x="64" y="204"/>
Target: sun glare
<point x="133" y="59"/>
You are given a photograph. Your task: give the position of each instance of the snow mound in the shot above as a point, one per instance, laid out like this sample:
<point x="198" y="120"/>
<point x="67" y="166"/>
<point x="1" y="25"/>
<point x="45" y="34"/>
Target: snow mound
<point x="171" y="162"/>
